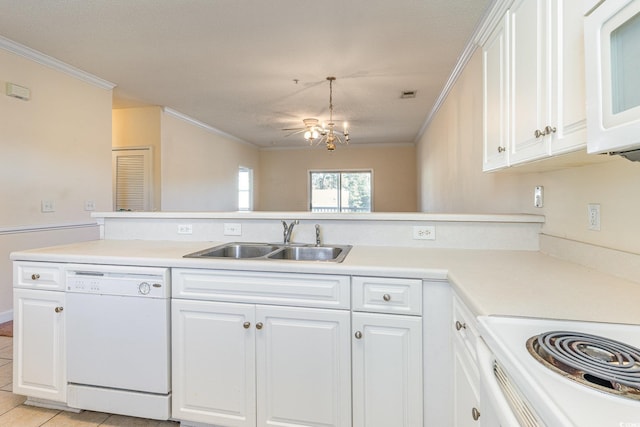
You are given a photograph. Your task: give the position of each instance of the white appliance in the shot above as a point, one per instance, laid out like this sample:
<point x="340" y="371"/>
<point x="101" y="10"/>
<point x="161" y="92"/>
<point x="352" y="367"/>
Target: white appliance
<point x="518" y="389"/>
<point x="118" y="342"/>
<point x="612" y="59"/>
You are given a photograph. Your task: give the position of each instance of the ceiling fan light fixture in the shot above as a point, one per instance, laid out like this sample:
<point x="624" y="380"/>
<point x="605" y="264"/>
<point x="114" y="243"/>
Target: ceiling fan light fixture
<point x="326" y="133"/>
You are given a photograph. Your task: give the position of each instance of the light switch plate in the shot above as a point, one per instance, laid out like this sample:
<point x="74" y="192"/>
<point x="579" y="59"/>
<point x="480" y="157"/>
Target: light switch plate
<point x="47" y="206"/>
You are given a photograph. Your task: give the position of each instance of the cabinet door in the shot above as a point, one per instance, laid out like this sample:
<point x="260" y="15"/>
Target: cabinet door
<point x="387" y="370"/>
<point x="213" y="366"/>
<point x="303" y="367"/>
<point x="39" y="368"/>
<point x="495" y="93"/>
<point x="529" y="84"/>
<point x="568" y="113"/>
<point x="466" y="385"/>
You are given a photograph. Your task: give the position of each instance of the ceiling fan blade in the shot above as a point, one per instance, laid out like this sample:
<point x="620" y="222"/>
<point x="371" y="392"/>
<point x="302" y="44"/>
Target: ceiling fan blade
<point x="295" y="131"/>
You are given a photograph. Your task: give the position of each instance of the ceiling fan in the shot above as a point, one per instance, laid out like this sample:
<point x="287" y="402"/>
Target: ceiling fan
<point x="325" y="133"/>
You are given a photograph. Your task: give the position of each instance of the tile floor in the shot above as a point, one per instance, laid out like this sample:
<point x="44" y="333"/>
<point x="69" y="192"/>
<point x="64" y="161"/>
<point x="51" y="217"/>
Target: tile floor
<point x="14" y="414"/>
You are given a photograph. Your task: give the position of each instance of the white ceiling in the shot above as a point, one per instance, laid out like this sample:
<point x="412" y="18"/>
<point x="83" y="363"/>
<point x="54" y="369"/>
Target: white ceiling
<point x="231" y="64"/>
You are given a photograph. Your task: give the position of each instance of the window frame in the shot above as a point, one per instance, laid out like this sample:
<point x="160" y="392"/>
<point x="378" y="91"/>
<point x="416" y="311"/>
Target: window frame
<point x="339" y="171"/>
<point x="249" y="191"/>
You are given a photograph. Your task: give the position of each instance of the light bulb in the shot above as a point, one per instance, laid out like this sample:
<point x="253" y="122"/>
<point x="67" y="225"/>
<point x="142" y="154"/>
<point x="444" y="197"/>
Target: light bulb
<point x="307" y="135"/>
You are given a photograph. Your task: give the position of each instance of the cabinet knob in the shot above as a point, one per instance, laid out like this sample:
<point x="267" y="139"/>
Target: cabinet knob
<point x="501" y="149"/>
<point x="548" y="130"/>
<point x="259" y="325"/>
<point x="59" y="309"/>
<point x="475" y="414"/>
<point x="386" y="297"/>
<point x="358" y="334"/>
<point x="460" y="325"/>
<point x="246" y="325"/>
<point x="35" y="276"/>
<point x="539" y="133"/>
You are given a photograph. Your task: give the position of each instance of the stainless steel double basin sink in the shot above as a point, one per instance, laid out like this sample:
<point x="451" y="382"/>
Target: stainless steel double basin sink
<point x="272" y="251"/>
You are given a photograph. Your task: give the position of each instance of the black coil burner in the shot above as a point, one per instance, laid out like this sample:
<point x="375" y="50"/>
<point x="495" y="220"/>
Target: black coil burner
<point x="604" y="364"/>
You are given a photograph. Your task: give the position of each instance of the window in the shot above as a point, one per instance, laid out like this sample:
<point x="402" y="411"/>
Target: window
<point x="340" y="191"/>
<point x="245" y="189"/>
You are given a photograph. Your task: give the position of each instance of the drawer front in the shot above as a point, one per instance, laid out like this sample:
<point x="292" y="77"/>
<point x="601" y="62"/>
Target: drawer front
<point x="465" y="327"/>
<point x="304" y="290"/>
<point x="387" y="295"/>
<point x="38" y="275"/>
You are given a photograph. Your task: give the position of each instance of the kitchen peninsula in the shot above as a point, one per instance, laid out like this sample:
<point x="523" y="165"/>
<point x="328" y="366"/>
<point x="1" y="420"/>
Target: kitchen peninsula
<point x="478" y="265"/>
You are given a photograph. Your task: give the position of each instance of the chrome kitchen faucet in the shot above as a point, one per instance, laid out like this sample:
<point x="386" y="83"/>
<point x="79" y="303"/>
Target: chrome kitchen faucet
<point x="288" y="229"/>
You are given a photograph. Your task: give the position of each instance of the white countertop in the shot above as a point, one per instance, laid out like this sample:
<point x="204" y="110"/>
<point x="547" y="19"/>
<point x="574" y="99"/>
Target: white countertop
<point x="490" y="282"/>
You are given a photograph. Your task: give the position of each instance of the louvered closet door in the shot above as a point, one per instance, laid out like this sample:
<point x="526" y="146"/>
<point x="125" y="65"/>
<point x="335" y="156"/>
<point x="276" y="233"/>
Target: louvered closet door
<point x="131" y="179"/>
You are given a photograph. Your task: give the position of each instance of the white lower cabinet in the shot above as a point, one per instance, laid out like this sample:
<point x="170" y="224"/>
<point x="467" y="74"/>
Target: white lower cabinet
<point x="243" y="364"/>
<point x="303" y="367"/>
<point x="466" y="402"/>
<point x="387" y="352"/>
<point x="387" y="370"/>
<point x="466" y="384"/>
<point x="213" y="363"/>
<point x="39" y="368"/>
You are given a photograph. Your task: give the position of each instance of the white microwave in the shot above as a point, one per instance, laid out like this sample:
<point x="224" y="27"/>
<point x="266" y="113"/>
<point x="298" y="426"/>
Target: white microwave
<point x="612" y="60"/>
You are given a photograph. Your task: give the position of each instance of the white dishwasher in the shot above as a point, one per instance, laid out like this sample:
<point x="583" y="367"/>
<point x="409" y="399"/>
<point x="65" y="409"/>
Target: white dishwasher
<point x="118" y="342"/>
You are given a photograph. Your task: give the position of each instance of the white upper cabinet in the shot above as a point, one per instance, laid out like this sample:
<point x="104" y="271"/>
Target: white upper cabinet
<point x="495" y="88"/>
<point x="534" y="83"/>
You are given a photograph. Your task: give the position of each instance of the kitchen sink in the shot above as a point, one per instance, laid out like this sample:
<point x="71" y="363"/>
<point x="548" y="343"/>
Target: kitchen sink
<point x="269" y="251"/>
<point x="235" y="250"/>
<point x="309" y="253"/>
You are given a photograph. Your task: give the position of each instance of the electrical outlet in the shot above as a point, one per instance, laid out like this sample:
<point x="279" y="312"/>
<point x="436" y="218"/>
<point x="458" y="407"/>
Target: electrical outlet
<point x="424" y="232"/>
<point x="47" y="206"/>
<point x="89" y="205"/>
<point x="594" y="216"/>
<point x="232" y="229"/>
<point x="538" y="196"/>
<point x="185" y="229"/>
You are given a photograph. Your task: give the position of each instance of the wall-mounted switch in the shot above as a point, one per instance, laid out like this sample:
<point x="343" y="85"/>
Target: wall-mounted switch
<point x="47" y="206"/>
<point x="89" y="205"/>
<point x="538" y="196"/>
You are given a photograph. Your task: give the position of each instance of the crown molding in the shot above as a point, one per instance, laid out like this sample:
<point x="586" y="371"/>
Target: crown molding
<point x="48" y="61"/>
<point x="191" y="120"/>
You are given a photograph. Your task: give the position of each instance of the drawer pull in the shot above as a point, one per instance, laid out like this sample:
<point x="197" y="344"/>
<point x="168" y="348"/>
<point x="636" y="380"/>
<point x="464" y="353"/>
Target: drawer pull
<point x="259" y="325"/>
<point x="358" y="335"/>
<point x="386" y="297"/>
<point x="460" y="325"/>
<point x="246" y="325"/>
<point x="475" y="414"/>
<point x="35" y="276"/>
<point x="59" y="309"/>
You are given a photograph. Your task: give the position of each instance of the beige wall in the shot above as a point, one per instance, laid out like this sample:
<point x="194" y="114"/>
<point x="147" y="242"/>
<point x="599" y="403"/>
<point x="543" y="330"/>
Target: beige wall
<point x="200" y="167"/>
<point x="137" y="128"/>
<point x="284" y="175"/>
<point x="450" y="178"/>
<point x="55" y="146"/>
